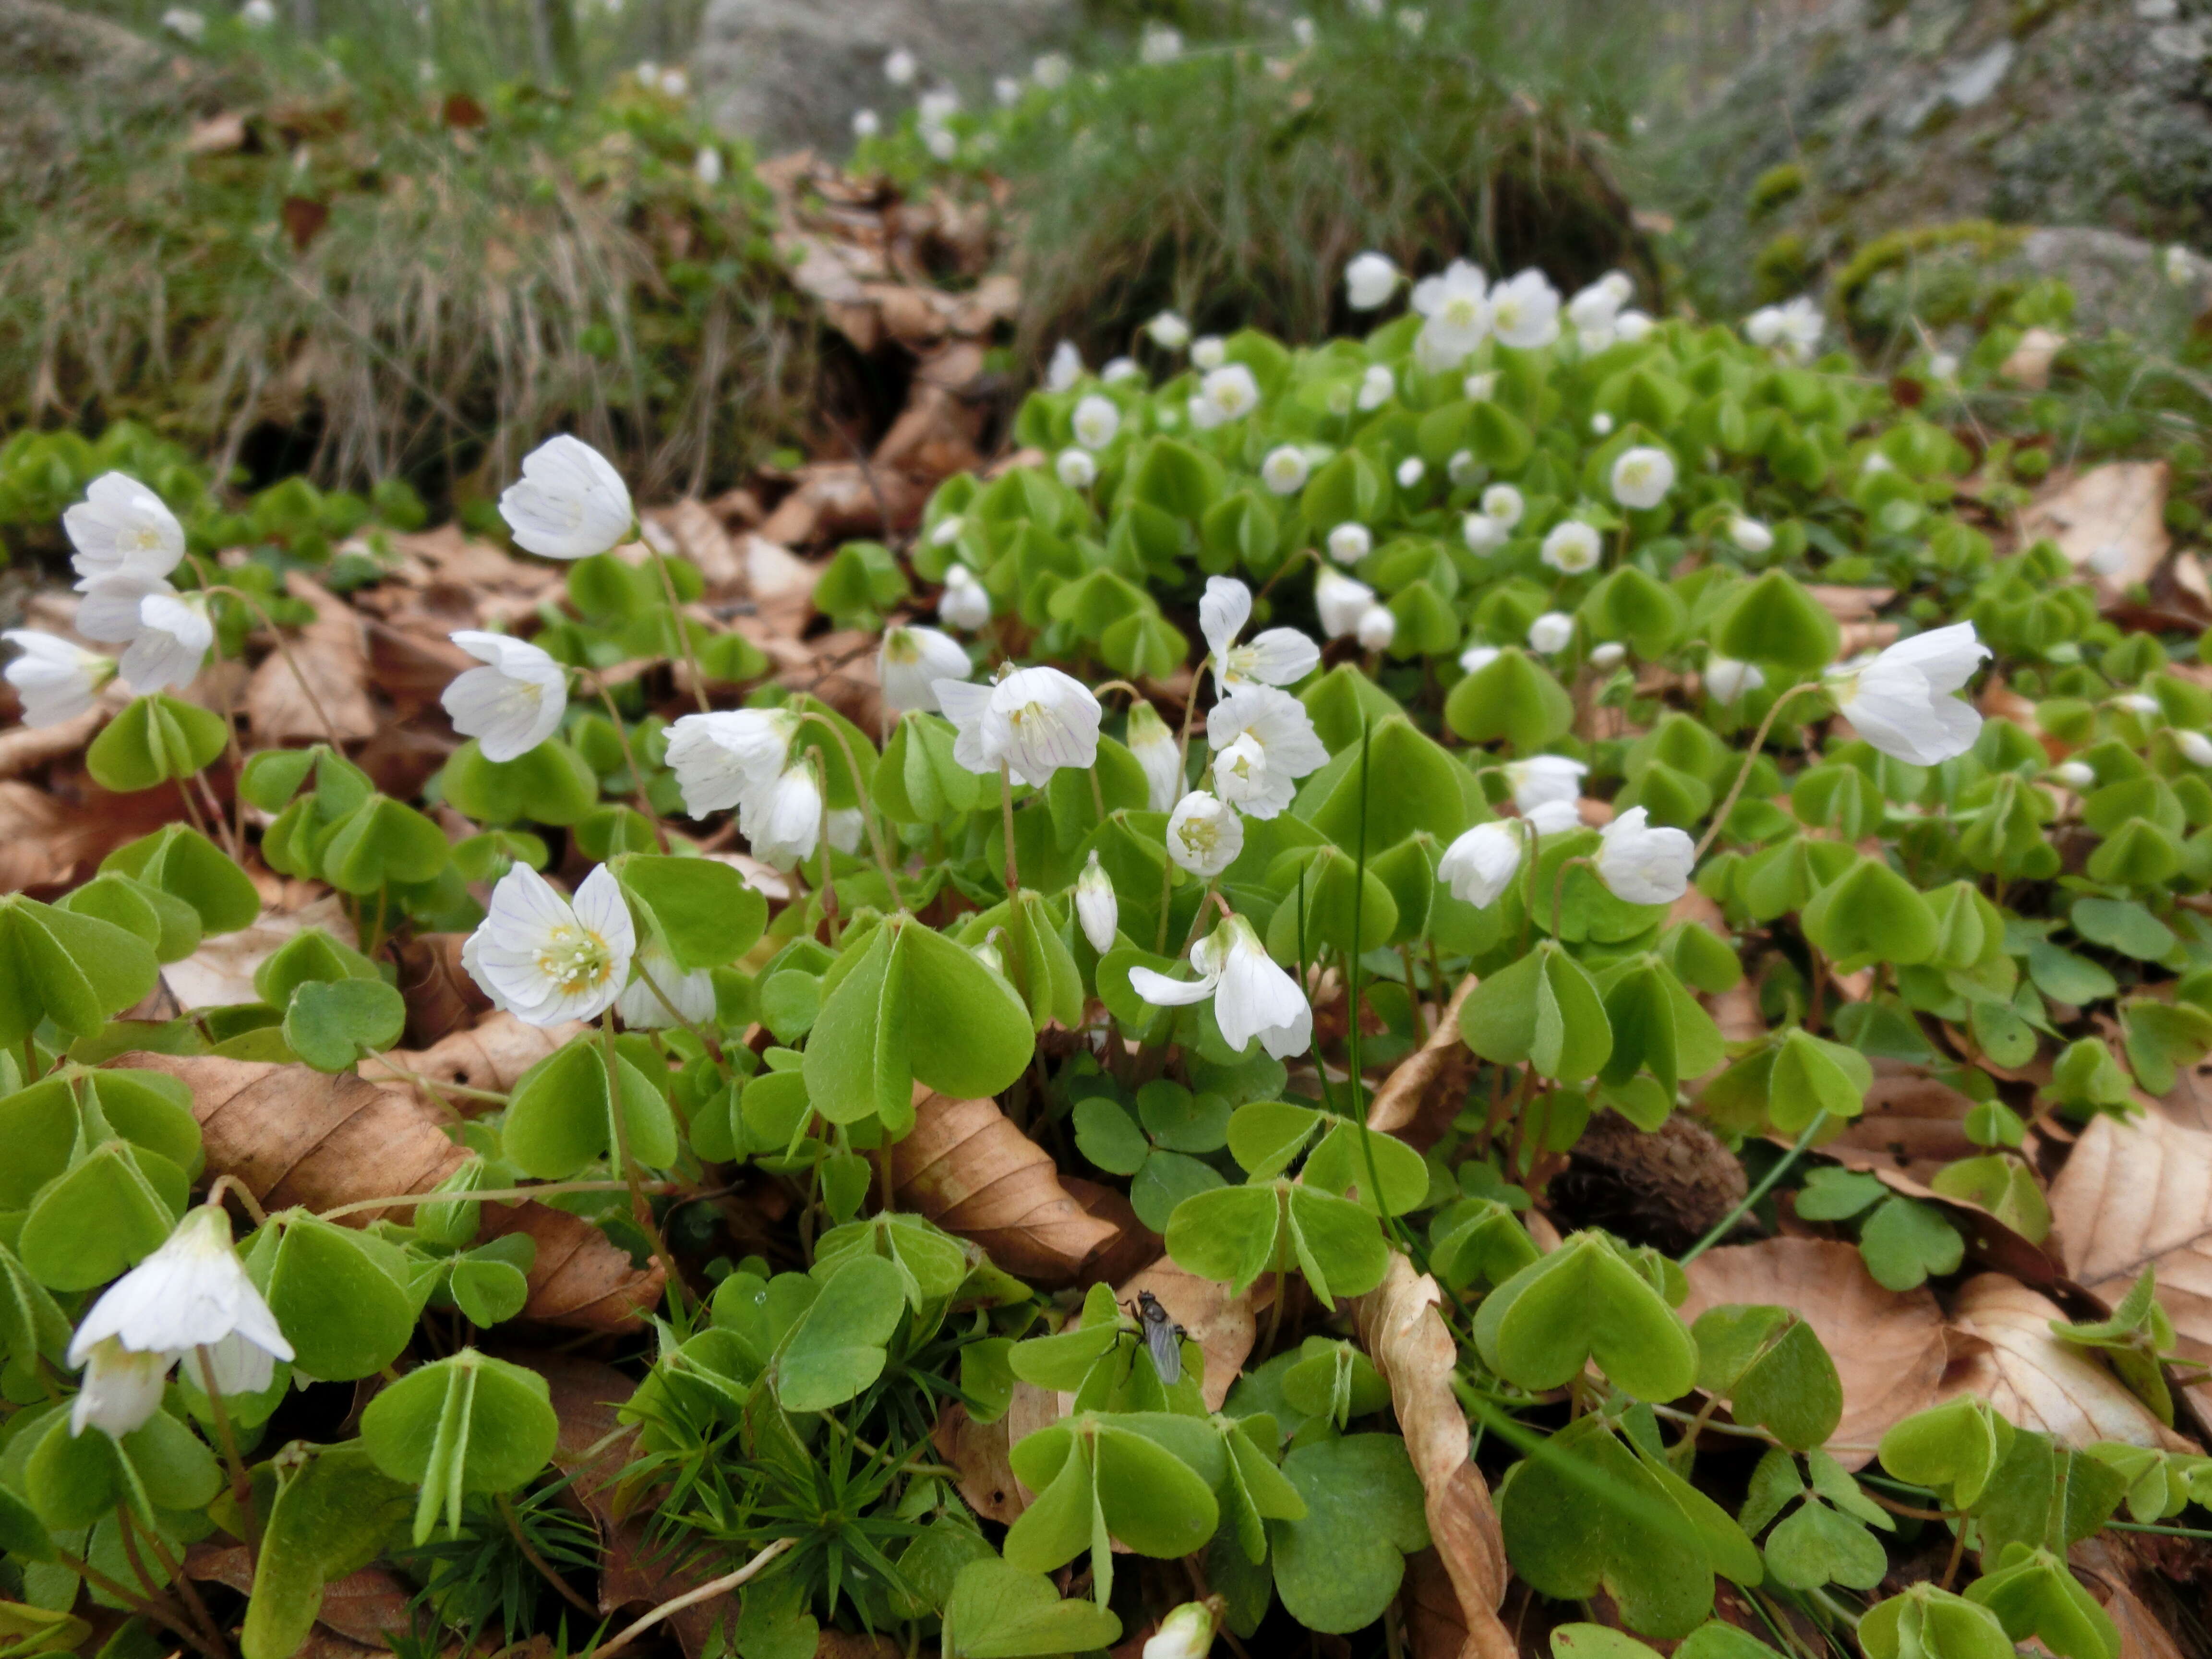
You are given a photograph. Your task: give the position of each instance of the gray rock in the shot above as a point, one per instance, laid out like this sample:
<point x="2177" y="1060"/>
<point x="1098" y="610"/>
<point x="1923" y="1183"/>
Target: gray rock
<point x="1895" y="114"/>
<point x="785" y="73"/>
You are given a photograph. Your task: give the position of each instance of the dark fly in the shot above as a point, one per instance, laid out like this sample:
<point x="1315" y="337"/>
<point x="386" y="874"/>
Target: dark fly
<point x="1163" y="1336"/>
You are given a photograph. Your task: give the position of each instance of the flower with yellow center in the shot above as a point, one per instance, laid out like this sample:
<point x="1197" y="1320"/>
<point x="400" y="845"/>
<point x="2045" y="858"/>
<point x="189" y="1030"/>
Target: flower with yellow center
<point x="550" y="959"/>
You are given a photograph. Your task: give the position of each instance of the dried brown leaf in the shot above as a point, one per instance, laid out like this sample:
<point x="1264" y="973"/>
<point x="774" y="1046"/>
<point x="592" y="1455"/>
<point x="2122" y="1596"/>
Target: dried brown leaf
<point x="491" y="1055"/>
<point x="2142" y="1636"/>
<point x="980" y="1452"/>
<point x="292" y="1135"/>
<point x="50" y="838"/>
<point x="1418" y="1100"/>
<point x="968" y="1169"/>
<point x="442" y="998"/>
<point x="2137" y="1195"/>
<point x="315" y="689"/>
<point x="1224" y="1324"/>
<point x="24" y="748"/>
<point x="1410" y="1345"/>
<point x="363" y="1607"/>
<point x="580" y="1278"/>
<point x="2110" y="519"/>
<point x="2036" y="1381"/>
<point x="1888" y="1344"/>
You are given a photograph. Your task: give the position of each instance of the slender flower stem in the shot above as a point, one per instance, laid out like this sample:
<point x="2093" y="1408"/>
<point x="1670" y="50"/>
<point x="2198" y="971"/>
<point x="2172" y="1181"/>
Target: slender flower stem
<point x="1182" y="772"/>
<point x="1006" y="805"/>
<point x="676" y="622"/>
<point x="241" y="1483"/>
<point x="283" y="650"/>
<point x="629" y="763"/>
<point x="1750" y="759"/>
<point x="618" y="1123"/>
<point x="498" y="1195"/>
<point x="231" y="1183"/>
<point x="868" y="815"/>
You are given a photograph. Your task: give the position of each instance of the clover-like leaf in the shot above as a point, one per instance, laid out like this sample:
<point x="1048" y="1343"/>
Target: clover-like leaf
<point x="465" y="1424"/>
<point x="1585" y="1301"/>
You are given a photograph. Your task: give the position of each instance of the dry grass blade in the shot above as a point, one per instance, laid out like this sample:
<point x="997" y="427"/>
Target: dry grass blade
<point x="1888" y="1346"/>
<point x="968" y="1169"/>
<point x="1408" y="1340"/>
<point x="2039" y="1381"/>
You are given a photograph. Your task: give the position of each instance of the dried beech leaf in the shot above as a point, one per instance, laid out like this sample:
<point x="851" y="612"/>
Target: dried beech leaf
<point x="2142" y="1636"/>
<point x="642" y="1571"/>
<point x="1408" y="1340"/>
<point x="1888" y="1347"/>
<point x="2139" y="1194"/>
<point x="315" y="690"/>
<point x="362" y="1606"/>
<point x="441" y="997"/>
<point x="1223" y="1325"/>
<point x="580" y="1277"/>
<point x="967" y="1168"/>
<point x="979" y="1451"/>
<point x="296" y="1136"/>
<point x="2120" y="506"/>
<point x="24" y="748"/>
<point x="1418" y="1101"/>
<point x="2036" y="1380"/>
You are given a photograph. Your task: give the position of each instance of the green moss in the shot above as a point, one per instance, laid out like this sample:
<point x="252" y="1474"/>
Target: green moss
<point x="1900" y="247"/>
<point x="1782" y="267"/>
<point x="1774" y="187"/>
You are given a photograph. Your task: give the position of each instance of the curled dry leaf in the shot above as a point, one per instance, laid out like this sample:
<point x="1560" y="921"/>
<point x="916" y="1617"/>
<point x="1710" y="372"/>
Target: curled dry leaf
<point x="1223" y="1324"/>
<point x="48" y="839"/>
<point x="1133" y="1246"/>
<point x="968" y="1169"/>
<point x="2036" y="1380"/>
<point x="1888" y="1346"/>
<point x="2142" y="1635"/>
<point x="296" y="1136"/>
<point x="2137" y="1195"/>
<point x="1407" y="1338"/>
<point x="220" y="974"/>
<point x="979" y="1451"/>
<point x="1419" y="1100"/>
<point x="315" y="690"/>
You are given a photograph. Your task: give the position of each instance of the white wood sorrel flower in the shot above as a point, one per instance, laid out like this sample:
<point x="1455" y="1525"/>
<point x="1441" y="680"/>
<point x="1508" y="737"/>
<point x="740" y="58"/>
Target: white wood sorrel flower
<point x="192" y="1293"/>
<point x="550" y="958"/>
<point x="662" y="994"/>
<point x="1479" y="866"/>
<point x="912" y="660"/>
<point x="784" y="822"/>
<point x="1033" y="722"/>
<point x="172" y="642"/>
<point x="120" y="524"/>
<point x="56" y="679"/>
<point x="1902" y="702"/>
<point x="570" y="502"/>
<point x="1369" y="280"/>
<point x="1544" y="778"/>
<point x="723" y="759"/>
<point x="1280" y="656"/>
<point x="1263" y="742"/>
<point x="1097" y="907"/>
<point x="1252" y="996"/>
<point x="511" y="704"/>
<point x="1204" y="834"/>
<point x="1641" y="864"/>
<point x="1642" y="476"/>
<point x="1149" y="739"/>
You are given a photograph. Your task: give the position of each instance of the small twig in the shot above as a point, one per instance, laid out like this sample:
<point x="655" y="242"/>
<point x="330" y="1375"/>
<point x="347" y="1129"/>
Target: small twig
<point x="706" y="1592"/>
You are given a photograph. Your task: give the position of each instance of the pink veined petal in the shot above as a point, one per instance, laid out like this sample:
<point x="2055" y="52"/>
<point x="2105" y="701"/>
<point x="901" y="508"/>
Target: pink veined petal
<point x="963" y="701"/>
<point x="525" y="909"/>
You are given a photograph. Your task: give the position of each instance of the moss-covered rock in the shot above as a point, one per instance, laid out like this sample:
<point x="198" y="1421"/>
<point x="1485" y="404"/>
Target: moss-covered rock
<point x="1836" y="149"/>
